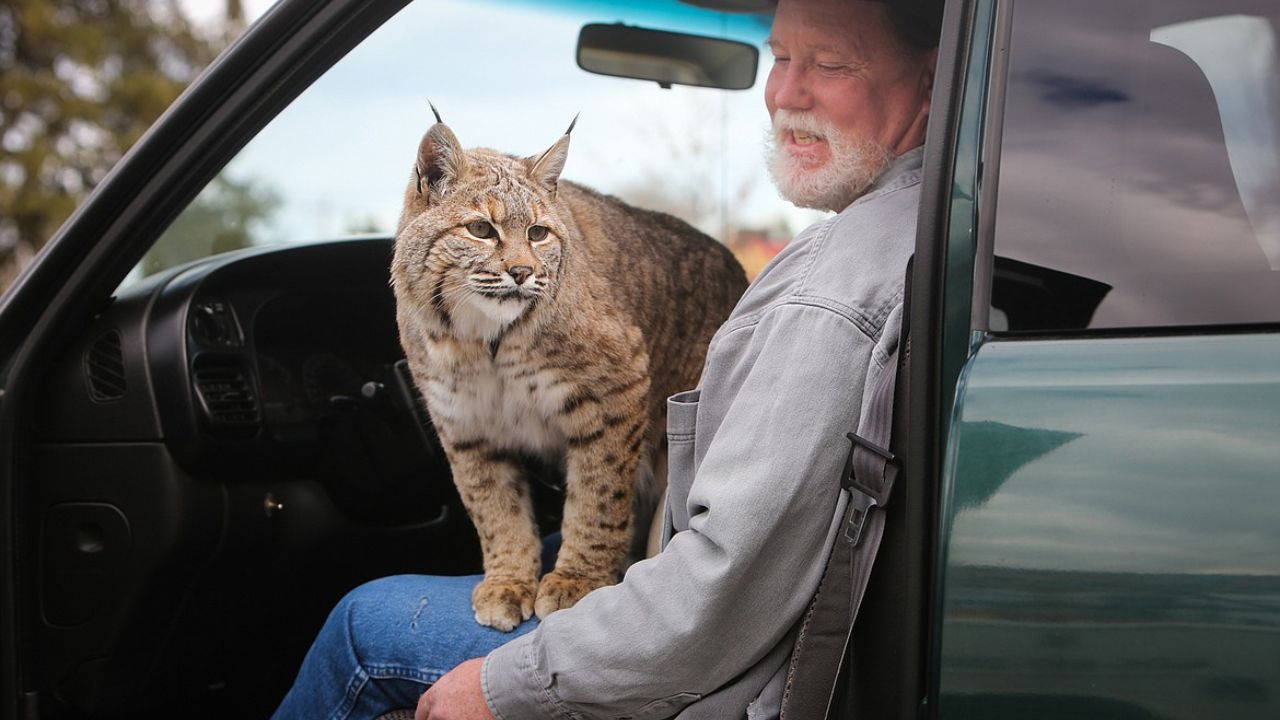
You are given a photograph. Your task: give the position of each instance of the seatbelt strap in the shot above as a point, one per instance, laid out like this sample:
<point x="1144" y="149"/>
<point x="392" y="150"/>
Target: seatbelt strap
<point x="827" y="626"/>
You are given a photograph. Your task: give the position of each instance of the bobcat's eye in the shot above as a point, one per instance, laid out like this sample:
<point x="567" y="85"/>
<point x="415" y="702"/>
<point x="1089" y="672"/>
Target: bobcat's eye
<point x="481" y="229"/>
<point x="537" y="234"/>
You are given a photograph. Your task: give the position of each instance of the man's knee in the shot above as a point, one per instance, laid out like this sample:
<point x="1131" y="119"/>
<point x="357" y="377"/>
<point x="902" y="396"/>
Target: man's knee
<point x="367" y="619"/>
<point x="415" y="626"/>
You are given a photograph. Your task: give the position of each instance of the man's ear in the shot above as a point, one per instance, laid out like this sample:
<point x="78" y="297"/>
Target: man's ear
<point x="927" y="75"/>
<point x="546" y="168"/>
<point x="931" y="70"/>
<point x="441" y="161"/>
<point x="916" y="131"/>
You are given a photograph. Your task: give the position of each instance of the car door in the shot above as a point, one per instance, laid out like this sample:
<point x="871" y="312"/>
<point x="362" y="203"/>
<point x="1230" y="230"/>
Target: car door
<point x="172" y="537"/>
<point x="50" y="307"/>
<point x="1108" y="535"/>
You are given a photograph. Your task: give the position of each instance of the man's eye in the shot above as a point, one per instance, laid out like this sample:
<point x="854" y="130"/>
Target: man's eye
<point x="830" y="68"/>
<point x="480" y="229"/>
<point x="537" y="233"/>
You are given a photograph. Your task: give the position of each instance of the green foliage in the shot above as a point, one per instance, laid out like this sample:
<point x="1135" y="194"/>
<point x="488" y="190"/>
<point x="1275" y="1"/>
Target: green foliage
<point x="80" y="81"/>
<point x="222" y="218"/>
<point x="366" y="225"/>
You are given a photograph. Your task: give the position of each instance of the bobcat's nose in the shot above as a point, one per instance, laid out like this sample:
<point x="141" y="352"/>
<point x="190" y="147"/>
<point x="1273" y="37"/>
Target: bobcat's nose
<point x="520" y="273"/>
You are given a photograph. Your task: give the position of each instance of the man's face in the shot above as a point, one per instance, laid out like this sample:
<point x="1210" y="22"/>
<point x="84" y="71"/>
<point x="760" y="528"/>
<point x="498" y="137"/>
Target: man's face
<point x="844" y="97"/>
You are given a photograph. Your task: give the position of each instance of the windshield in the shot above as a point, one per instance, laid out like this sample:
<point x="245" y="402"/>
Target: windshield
<point x="503" y="75"/>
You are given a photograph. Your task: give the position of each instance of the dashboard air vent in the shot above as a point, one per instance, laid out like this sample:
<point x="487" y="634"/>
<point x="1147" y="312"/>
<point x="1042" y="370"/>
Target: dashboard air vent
<point x="104" y="368"/>
<point x="227" y="397"/>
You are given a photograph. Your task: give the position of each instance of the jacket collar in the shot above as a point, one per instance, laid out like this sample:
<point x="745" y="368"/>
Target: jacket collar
<point x="903" y="171"/>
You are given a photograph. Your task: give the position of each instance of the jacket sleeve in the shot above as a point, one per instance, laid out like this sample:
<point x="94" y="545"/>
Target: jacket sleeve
<point x="730" y="587"/>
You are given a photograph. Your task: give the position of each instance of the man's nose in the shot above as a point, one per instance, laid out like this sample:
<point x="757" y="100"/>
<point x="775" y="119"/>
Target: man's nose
<point x="792" y="92"/>
<point x="520" y="273"/>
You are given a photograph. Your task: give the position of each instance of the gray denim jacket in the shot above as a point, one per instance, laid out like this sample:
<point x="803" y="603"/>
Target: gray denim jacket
<point x="705" y="628"/>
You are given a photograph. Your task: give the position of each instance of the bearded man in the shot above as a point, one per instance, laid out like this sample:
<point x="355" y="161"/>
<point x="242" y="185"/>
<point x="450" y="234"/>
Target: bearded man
<point x="705" y="628"/>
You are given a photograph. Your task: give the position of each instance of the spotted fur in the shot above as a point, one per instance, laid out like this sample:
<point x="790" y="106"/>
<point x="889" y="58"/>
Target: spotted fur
<point x="573" y="364"/>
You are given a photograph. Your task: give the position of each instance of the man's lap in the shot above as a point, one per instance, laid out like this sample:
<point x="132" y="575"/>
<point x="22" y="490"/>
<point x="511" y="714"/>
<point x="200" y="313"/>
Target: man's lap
<point x="421" y="623"/>
<point x="386" y="641"/>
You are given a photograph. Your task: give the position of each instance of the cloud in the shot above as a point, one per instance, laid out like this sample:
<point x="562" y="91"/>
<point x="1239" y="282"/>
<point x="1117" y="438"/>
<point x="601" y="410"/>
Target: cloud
<point x="1069" y="92"/>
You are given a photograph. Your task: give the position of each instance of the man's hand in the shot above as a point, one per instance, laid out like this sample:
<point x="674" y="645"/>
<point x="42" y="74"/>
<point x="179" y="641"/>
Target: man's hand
<point x="456" y="696"/>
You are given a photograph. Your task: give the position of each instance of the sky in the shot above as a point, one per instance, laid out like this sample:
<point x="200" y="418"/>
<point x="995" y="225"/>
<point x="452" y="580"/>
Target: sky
<point x="342" y="153"/>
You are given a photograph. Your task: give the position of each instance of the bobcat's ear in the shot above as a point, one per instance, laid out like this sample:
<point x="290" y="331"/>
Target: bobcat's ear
<point x="546" y="168"/>
<point x="441" y="161"/>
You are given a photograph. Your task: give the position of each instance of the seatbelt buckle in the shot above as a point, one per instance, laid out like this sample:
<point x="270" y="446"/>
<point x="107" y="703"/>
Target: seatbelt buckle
<point x="864" y="496"/>
<point x="849" y="479"/>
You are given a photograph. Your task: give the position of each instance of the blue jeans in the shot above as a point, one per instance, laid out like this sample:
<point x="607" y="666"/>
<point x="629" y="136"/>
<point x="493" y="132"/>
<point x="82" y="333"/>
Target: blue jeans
<point x="385" y="643"/>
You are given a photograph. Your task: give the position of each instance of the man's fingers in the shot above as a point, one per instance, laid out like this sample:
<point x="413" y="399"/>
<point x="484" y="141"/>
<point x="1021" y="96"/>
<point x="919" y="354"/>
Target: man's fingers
<point x="423" y="711"/>
<point x="456" y="696"/>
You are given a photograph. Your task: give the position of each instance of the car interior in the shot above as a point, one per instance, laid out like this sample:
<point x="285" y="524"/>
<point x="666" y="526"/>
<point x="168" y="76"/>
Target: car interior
<point x="231" y="441"/>
<point x="224" y="454"/>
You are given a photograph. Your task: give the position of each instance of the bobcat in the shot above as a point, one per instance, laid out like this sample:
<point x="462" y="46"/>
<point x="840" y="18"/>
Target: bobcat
<point x="540" y="317"/>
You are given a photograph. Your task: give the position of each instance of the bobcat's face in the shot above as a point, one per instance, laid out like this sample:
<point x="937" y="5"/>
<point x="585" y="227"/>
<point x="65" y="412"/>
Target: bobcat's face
<point x="504" y="246"/>
<point x="481" y="240"/>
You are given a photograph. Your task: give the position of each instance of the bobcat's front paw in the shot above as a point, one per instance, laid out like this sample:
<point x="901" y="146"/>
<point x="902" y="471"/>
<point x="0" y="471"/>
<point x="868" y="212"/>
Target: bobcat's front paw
<point x="558" y="591"/>
<point x="503" y="604"/>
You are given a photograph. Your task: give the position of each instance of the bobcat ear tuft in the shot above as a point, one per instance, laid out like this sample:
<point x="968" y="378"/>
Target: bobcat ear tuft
<point x="441" y="161"/>
<point x="436" y="112"/>
<point x="546" y="169"/>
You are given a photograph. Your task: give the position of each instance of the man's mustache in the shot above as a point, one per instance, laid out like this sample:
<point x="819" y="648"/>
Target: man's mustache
<point x="792" y="121"/>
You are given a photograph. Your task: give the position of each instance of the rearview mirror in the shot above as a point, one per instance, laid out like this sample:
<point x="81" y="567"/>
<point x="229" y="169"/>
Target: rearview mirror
<point x="667" y="58"/>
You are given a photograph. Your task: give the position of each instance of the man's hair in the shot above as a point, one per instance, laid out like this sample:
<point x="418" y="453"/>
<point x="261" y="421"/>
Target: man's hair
<point x="917" y="23"/>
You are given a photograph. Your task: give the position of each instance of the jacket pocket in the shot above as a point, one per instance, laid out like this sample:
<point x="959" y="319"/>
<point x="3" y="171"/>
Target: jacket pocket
<point x="682" y="422"/>
<point x="682" y="414"/>
<point x="664" y="708"/>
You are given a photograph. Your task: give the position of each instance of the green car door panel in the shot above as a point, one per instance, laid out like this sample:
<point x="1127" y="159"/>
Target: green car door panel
<point x="1111" y="548"/>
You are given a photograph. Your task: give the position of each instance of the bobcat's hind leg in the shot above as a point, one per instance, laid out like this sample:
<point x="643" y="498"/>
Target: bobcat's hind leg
<point x="497" y="499"/>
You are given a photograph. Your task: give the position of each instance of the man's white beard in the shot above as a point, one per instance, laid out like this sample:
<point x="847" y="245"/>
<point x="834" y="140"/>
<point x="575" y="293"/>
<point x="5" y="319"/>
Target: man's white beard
<point x="854" y="163"/>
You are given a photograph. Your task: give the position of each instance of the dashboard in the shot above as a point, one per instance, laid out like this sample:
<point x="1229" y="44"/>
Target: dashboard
<point x="226" y="449"/>
<point x="282" y="361"/>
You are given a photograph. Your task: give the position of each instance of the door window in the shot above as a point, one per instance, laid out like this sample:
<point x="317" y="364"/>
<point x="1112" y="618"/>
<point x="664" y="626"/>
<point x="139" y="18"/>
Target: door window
<point x="1139" y="169"/>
